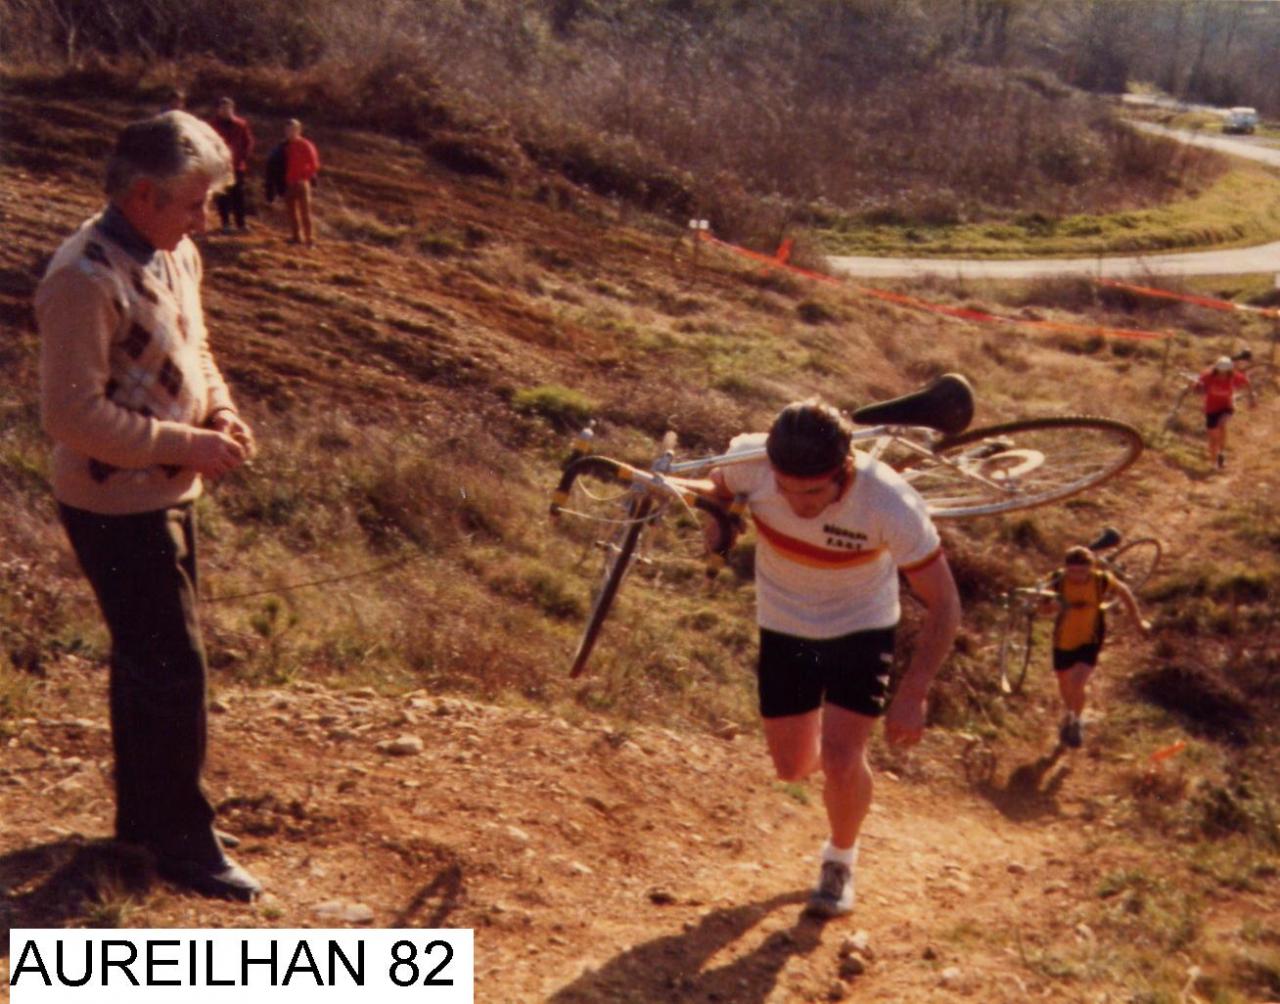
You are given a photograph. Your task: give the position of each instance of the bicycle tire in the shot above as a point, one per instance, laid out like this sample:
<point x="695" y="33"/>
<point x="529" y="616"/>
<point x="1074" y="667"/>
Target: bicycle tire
<point x="617" y="561"/>
<point x="1015" y="648"/>
<point x="1264" y="378"/>
<point x="1171" y="420"/>
<point x="1135" y="562"/>
<point x="1019" y="465"/>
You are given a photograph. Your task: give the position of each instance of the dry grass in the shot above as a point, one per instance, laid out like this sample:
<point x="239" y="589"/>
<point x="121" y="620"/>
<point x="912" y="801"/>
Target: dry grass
<point x="679" y="115"/>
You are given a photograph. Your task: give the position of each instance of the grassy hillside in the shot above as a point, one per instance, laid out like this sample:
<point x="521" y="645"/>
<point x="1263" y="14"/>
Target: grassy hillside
<point x="414" y="382"/>
<point x="1239" y="209"/>
<point x="905" y="118"/>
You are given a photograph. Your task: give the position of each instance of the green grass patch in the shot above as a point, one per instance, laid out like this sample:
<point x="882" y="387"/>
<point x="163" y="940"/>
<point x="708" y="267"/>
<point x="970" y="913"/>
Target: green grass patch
<point x="562" y="406"/>
<point x="1240" y="209"/>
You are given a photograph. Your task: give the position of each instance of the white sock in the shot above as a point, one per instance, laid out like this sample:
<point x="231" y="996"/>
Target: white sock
<point x="847" y="856"/>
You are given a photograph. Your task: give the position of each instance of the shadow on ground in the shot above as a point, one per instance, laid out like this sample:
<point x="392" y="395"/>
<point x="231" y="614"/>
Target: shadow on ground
<point x="53" y="884"/>
<point x="1030" y="791"/>
<point x="433" y="904"/>
<point x="673" y="968"/>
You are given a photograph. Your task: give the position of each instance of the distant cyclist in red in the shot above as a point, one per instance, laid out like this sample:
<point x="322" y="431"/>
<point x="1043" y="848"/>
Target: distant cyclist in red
<point x="1219" y="384"/>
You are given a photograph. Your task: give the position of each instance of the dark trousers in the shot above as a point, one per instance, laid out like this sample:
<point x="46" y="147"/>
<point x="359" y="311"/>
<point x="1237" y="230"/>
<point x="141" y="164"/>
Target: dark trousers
<point x="143" y="570"/>
<point x="230" y="202"/>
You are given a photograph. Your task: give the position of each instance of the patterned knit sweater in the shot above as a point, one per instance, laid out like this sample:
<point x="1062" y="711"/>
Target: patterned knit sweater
<point x="126" y="374"/>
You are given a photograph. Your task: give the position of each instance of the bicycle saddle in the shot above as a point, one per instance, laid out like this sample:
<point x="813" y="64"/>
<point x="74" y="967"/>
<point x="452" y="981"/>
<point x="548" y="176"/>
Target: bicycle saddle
<point x="1109" y="537"/>
<point x="945" y="405"/>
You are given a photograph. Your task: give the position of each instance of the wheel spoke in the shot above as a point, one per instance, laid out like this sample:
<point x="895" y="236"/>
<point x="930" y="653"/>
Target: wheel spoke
<point x="1021" y="464"/>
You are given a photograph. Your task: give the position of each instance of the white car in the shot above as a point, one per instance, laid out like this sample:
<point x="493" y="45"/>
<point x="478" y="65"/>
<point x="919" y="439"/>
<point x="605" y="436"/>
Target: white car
<point x="1242" y="120"/>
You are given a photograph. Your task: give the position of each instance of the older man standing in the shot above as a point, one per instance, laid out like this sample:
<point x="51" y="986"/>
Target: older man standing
<point x="139" y="413"/>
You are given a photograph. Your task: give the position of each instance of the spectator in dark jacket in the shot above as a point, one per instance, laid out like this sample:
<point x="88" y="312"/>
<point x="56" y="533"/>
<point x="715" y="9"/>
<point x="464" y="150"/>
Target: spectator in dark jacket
<point x="235" y="132"/>
<point x="274" y="180"/>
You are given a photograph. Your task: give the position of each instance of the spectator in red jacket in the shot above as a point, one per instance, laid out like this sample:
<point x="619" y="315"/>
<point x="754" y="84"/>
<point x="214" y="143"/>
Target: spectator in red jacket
<point x="235" y="132"/>
<point x="301" y="165"/>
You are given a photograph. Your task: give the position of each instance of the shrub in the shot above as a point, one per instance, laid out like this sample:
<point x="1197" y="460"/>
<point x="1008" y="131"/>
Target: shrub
<point x="813" y="312"/>
<point x="1073" y="293"/>
<point x="564" y="407"/>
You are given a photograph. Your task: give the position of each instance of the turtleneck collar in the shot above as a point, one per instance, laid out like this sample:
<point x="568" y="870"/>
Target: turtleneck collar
<point x="114" y="225"/>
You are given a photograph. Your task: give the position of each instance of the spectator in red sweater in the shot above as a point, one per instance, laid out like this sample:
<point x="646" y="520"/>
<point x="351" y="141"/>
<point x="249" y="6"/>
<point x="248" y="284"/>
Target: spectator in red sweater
<point x="301" y="165"/>
<point x="235" y="132"/>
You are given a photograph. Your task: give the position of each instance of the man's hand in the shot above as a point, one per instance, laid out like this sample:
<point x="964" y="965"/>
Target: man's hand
<point x="214" y="454"/>
<point x="904" y="722"/>
<point x="712" y="535"/>
<point x="718" y="535"/>
<point x="233" y="425"/>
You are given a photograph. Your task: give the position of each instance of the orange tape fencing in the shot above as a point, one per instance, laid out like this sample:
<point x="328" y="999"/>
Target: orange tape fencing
<point x="780" y="260"/>
<point x="1200" y="301"/>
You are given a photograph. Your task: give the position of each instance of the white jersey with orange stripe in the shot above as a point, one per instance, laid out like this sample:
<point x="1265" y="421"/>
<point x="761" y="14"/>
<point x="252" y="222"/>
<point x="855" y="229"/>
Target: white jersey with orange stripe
<point x="838" y="572"/>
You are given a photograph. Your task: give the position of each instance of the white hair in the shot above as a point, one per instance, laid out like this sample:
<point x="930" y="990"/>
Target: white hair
<point x="165" y="147"/>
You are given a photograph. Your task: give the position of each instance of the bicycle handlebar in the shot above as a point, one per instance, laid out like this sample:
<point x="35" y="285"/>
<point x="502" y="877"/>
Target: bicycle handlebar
<point x="728" y="517"/>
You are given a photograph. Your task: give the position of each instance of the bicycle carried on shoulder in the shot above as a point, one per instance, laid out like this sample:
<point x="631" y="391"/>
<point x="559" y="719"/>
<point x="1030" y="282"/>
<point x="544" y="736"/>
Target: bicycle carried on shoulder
<point x="925" y="436"/>
<point x="1133" y="563"/>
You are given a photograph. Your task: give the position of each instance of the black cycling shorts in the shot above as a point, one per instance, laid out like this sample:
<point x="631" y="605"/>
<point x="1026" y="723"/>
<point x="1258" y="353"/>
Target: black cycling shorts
<point x="1212" y="418"/>
<point x="1065" y="658"/>
<point x="852" y="672"/>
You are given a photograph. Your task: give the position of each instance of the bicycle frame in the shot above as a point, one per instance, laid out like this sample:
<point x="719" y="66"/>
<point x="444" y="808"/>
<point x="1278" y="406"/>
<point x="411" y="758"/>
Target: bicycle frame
<point x="885" y="434"/>
<point x="914" y="440"/>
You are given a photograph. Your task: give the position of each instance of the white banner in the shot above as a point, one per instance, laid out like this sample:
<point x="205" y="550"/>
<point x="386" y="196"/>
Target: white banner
<point x="245" y="966"/>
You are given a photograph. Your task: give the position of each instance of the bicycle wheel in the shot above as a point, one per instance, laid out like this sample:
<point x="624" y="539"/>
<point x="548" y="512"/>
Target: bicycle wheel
<point x="619" y="553"/>
<point x="1172" y="420"/>
<point x="1022" y="464"/>
<point x="1265" y="378"/>
<point x="1015" y="649"/>
<point x="1135" y="561"/>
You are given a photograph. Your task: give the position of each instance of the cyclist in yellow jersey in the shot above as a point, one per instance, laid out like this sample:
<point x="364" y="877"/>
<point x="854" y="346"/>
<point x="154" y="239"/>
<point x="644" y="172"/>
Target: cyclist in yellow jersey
<point x="1079" y="590"/>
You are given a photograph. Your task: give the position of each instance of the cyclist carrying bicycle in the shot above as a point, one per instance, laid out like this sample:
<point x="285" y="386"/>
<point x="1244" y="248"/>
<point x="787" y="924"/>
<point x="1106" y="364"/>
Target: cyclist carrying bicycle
<point x="1077" y="593"/>
<point x="1219" y="384"/>
<point x="835" y="527"/>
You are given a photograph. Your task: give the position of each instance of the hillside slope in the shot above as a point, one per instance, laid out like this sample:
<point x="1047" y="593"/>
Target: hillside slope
<point x="622" y="840"/>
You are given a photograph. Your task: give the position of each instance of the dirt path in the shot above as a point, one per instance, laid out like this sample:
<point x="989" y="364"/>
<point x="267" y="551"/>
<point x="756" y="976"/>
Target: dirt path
<point x="595" y="865"/>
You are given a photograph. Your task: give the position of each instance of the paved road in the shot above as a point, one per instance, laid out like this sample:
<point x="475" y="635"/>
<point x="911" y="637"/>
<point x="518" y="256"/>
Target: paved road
<point x="1249" y="147"/>
<point x="1237" y="261"/>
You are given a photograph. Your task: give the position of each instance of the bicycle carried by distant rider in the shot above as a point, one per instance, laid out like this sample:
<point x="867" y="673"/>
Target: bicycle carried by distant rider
<point x="1132" y="562"/>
